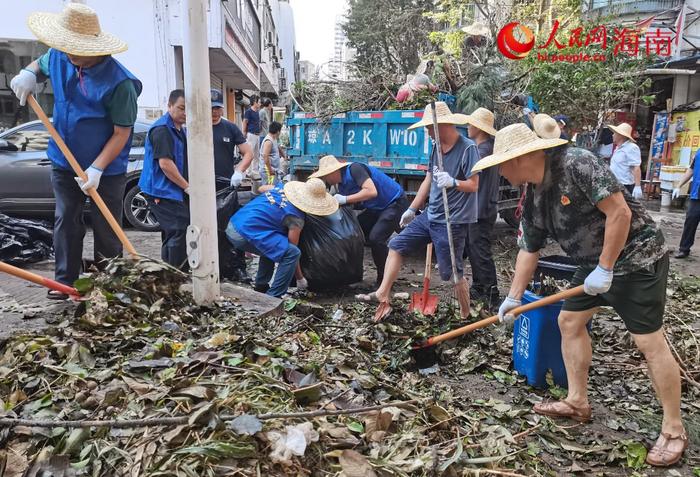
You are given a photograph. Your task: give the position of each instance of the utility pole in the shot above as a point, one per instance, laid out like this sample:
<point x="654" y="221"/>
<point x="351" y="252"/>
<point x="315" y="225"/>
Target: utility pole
<point x="202" y="247"/>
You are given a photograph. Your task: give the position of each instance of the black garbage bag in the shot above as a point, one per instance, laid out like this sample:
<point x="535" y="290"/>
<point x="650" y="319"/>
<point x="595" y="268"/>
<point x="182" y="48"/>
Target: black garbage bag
<point x="226" y="205"/>
<point x="332" y="250"/>
<point x="24" y="241"/>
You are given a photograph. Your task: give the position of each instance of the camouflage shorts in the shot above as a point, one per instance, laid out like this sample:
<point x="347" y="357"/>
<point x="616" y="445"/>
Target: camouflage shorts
<point x="638" y="297"/>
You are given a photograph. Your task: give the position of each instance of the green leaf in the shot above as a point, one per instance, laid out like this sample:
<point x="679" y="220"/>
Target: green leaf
<point x="290" y="304"/>
<point x="235" y="361"/>
<point x="260" y="351"/>
<point x="313" y="336"/>
<point x="76" y="370"/>
<point x="218" y="450"/>
<point x="636" y="454"/>
<point x="696" y="472"/>
<point x="84" y="285"/>
<point x="355" y="426"/>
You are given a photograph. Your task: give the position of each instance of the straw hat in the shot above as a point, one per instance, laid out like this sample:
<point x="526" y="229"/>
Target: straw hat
<point x="482" y="118"/>
<point x="76" y="31"/>
<point x="476" y="29"/>
<point x="546" y="126"/>
<point x="514" y="141"/>
<point x="311" y="197"/>
<point x="623" y="129"/>
<point x="444" y="116"/>
<point x="328" y="164"/>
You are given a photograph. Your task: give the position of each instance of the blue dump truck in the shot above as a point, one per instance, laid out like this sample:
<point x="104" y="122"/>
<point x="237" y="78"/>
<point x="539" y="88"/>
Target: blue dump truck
<point x="376" y="138"/>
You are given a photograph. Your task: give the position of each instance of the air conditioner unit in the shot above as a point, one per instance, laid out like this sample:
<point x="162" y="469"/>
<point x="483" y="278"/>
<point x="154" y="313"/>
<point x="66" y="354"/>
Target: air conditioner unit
<point x="281" y="57"/>
<point x="283" y="74"/>
<point x="269" y="40"/>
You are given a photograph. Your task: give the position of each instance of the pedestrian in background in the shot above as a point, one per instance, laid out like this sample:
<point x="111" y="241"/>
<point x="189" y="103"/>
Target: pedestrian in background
<point x="251" y="130"/>
<point x="692" y="217"/>
<point x="95" y="106"/>
<point x="265" y="114"/>
<point x="271" y="161"/>
<point x="484" y="281"/>
<point x="164" y="179"/>
<point x="626" y="160"/>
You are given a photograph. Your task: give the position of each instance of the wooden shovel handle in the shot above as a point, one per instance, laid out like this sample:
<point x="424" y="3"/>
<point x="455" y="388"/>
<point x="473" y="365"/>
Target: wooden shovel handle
<point x="548" y="300"/>
<point x="96" y="199"/>
<point x="428" y="261"/>
<point x="38" y="279"/>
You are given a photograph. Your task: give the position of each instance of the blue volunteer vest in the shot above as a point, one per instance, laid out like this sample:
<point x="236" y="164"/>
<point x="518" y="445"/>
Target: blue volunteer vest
<point x="388" y="190"/>
<point x="260" y="222"/>
<point x="153" y="180"/>
<point x="695" y="185"/>
<point x="79" y="112"/>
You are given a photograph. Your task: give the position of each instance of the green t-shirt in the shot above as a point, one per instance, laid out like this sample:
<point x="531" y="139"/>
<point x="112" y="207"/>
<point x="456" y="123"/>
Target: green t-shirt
<point x="122" y="105"/>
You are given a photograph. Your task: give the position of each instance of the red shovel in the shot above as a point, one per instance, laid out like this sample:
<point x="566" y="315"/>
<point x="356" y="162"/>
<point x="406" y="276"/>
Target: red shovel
<point x="39" y="280"/>
<point x="423" y="301"/>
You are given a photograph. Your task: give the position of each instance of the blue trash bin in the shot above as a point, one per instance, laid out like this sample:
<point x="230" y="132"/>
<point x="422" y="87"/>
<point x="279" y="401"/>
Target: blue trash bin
<point x="537" y="344"/>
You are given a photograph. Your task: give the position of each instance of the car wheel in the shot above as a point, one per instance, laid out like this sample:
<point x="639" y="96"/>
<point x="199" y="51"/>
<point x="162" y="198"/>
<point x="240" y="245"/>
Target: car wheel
<point x="137" y="212"/>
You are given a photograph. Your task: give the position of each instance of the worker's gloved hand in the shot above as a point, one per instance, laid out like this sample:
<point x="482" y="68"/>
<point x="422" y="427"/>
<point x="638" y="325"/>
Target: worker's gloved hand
<point x="23" y="85"/>
<point x="342" y="199"/>
<point x="407" y="217"/>
<point x="302" y="284"/>
<point x="444" y="180"/>
<point x="186" y="190"/>
<point x="598" y="281"/>
<point x="676" y="193"/>
<point x="637" y="192"/>
<point x="93" y="179"/>
<point x="236" y="178"/>
<point x="508" y="304"/>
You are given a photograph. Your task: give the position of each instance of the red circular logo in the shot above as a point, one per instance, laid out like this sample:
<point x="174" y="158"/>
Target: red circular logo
<point x="512" y="47"/>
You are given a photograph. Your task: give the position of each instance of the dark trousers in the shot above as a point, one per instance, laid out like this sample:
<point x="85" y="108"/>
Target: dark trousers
<point x="173" y="217"/>
<point x="378" y="226"/>
<point x="69" y="226"/>
<point x="481" y="258"/>
<point x="692" y="219"/>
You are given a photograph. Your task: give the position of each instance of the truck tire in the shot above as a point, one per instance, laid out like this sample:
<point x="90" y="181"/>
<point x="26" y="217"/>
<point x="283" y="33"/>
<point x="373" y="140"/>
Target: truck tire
<point x="508" y="215"/>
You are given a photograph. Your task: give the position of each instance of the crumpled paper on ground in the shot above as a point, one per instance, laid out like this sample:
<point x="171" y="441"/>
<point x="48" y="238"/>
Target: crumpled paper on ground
<point x="290" y="442"/>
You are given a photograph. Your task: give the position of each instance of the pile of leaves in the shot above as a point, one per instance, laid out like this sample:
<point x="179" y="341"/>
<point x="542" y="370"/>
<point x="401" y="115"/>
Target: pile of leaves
<point x="141" y="349"/>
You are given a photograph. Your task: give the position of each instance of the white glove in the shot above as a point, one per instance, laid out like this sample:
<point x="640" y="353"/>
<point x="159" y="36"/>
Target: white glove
<point x="342" y="199"/>
<point x="444" y="180"/>
<point x="186" y="190"/>
<point x="93" y="179"/>
<point x="236" y="178"/>
<point x="676" y="193"/>
<point x="407" y="217"/>
<point x="302" y="284"/>
<point x="23" y="85"/>
<point x="508" y="304"/>
<point x="637" y="192"/>
<point x="598" y="281"/>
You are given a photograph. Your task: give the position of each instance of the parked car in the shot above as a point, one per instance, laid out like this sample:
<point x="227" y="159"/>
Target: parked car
<point x="25" y="175"/>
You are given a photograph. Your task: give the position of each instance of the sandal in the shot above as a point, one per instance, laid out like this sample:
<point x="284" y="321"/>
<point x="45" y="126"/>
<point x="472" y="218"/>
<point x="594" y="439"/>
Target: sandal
<point x="661" y="456"/>
<point x="552" y="409"/>
<point x="367" y="298"/>
<point x="56" y="295"/>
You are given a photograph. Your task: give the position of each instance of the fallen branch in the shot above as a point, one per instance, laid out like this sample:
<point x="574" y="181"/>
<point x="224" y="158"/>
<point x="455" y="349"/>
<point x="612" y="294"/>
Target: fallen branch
<point x="181" y="420"/>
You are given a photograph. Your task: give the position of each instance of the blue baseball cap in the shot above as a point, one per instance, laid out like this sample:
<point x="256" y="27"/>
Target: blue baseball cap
<point x="562" y="118"/>
<point x="217" y="99"/>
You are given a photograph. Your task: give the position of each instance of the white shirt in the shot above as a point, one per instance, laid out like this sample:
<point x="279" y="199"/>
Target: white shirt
<point x="626" y="157"/>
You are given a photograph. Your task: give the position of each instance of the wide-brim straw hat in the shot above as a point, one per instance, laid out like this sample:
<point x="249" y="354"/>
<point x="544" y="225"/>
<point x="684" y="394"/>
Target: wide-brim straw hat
<point x="311" y="197"/>
<point x="623" y="129"/>
<point x="477" y="29"/>
<point x="483" y="119"/>
<point x="514" y="141"/>
<point x="444" y="116"/>
<point x="328" y="165"/>
<point x="546" y="126"/>
<point x="76" y="31"/>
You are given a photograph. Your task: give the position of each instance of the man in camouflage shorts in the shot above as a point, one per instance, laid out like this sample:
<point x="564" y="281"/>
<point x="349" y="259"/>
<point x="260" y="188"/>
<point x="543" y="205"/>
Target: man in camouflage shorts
<point x="575" y="199"/>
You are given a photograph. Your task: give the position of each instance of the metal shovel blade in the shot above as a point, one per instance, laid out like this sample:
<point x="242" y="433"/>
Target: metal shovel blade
<point x="424" y="302"/>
